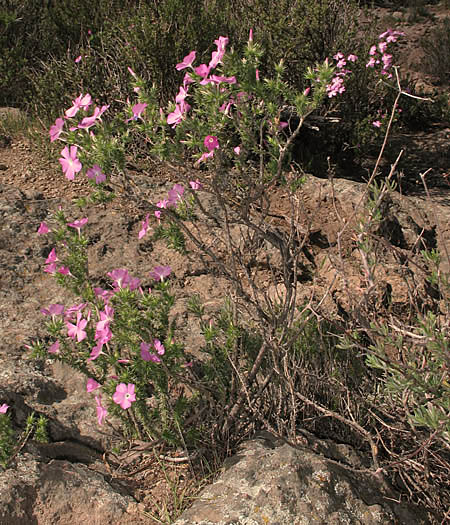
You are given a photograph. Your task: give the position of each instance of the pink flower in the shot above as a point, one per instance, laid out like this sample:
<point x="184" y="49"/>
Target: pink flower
<point x="146" y="355"/>
<point x="102" y="327"/>
<point x="352" y="58"/>
<point x="81" y="102"/>
<point x="159" y="347"/>
<point x="175" y="195"/>
<point x="77" y="330"/>
<point x="79" y="223"/>
<point x="162" y="203"/>
<point x="211" y="143"/>
<point x="336" y="87"/>
<point x="187" y="61"/>
<point x="104" y="294"/>
<point x="382" y="46"/>
<point x="182" y="94"/>
<point x="376" y="124"/>
<point x="144" y="227"/>
<point x="96" y="173"/>
<point x="373" y="50"/>
<point x="159" y="273"/>
<point x="54" y="348"/>
<point x="250" y="35"/>
<point x="187" y="79"/>
<point x="78" y="59"/>
<point x="176" y="116"/>
<point x="390" y="35"/>
<point x="92" y="385"/>
<point x="101" y="410"/>
<point x="53" y="309"/>
<point x="217" y="79"/>
<point x="51" y="257"/>
<point x="371" y="62"/>
<point x="237" y="150"/>
<point x="221" y="42"/>
<point x="50" y="268"/>
<point x="4" y="408"/>
<point x="132" y="73"/>
<point x="120" y="277"/>
<point x="196" y="184"/>
<point x="204" y="157"/>
<point x="56" y="129"/>
<point x="387" y="60"/>
<point x="69" y="162"/>
<point x="88" y="122"/>
<point x="75" y="308"/>
<point x="216" y="57"/>
<point x="96" y="351"/>
<point x="124" y="395"/>
<point x="43" y="229"/>
<point x="50" y="262"/>
<point x="202" y="70"/>
<point x="137" y="111"/>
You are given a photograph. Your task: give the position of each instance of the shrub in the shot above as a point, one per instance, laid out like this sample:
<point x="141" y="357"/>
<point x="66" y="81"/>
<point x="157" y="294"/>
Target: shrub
<point x="40" y="30"/>
<point x="436" y="56"/>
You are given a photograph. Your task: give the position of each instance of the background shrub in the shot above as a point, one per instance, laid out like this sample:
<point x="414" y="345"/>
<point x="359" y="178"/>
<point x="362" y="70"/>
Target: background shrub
<point x="436" y="51"/>
<point x="39" y="71"/>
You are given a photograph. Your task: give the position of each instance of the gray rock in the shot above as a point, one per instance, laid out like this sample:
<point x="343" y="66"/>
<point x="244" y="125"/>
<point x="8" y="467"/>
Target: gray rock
<point x="37" y="493"/>
<point x="271" y="482"/>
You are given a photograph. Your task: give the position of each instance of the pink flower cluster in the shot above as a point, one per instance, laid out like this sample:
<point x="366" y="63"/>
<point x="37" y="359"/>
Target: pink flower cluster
<point x="174" y="197"/>
<point x="378" y="53"/>
<point x="158" y="347"/>
<point x="52" y="267"/>
<point x="69" y="161"/>
<point x="77" y="323"/>
<point x="211" y="143"/>
<point x="337" y="87"/>
<point x="124" y="396"/>
<point x="203" y="71"/>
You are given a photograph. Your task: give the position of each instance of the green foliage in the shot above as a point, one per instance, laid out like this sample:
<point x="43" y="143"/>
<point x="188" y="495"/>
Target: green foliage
<point x="11" y="444"/>
<point x="33" y="31"/>
<point x="7" y="439"/>
<point x="419" y="383"/>
<point x="151" y="38"/>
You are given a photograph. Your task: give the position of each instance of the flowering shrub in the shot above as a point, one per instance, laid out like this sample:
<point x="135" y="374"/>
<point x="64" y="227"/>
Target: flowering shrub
<point x="228" y="132"/>
<point x="224" y="115"/>
<point x="118" y="337"/>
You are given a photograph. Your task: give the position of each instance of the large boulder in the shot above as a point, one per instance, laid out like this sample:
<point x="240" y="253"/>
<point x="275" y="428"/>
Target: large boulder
<point x="272" y="482"/>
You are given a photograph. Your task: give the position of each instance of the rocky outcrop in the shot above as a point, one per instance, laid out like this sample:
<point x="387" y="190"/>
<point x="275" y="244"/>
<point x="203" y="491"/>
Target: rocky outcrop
<point x="271" y="482"/>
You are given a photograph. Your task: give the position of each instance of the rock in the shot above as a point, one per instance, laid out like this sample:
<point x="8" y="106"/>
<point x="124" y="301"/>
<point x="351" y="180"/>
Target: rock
<point x="38" y="493"/>
<point x="271" y="482"/>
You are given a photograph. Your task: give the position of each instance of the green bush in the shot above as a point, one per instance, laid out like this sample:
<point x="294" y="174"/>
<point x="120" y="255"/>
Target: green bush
<point x="150" y="38"/>
<point x="42" y="30"/>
